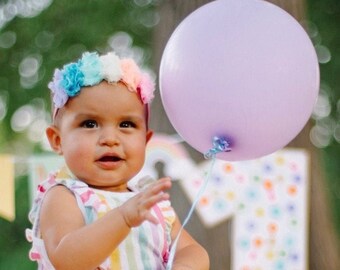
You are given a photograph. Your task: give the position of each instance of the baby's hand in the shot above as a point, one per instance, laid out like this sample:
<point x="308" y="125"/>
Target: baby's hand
<point x="137" y="209"/>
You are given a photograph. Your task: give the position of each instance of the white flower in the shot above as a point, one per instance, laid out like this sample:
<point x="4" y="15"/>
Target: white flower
<point x="111" y="70"/>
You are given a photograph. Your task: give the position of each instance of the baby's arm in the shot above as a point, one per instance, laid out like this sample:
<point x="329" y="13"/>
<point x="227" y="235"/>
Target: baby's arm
<point x="189" y="254"/>
<point x="71" y="244"/>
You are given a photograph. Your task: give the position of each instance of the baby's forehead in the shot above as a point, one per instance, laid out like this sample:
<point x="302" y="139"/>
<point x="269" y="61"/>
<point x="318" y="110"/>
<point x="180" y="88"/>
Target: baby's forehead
<point x="104" y="92"/>
<point x="108" y="99"/>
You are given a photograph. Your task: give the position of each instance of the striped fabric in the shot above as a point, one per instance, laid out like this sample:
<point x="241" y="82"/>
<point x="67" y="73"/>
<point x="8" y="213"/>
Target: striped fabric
<point x="146" y="247"/>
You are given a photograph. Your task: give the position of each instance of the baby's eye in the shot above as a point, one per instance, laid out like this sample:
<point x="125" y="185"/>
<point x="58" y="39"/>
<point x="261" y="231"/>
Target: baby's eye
<point x="89" y="124"/>
<point x="127" y="124"/>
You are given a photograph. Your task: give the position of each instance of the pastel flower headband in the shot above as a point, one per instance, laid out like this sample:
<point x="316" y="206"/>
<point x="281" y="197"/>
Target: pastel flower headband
<point x="91" y="69"/>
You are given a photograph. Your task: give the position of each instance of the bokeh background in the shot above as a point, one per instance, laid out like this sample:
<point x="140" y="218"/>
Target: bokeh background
<point x="37" y="36"/>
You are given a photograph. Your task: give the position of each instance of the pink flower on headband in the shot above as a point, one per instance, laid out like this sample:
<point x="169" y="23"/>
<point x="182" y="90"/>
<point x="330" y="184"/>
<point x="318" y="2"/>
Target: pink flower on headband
<point x="146" y="88"/>
<point x="137" y="81"/>
<point x="131" y="74"/>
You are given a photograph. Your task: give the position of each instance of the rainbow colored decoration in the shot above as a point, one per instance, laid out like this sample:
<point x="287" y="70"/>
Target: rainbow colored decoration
<point x="167" y="150"/>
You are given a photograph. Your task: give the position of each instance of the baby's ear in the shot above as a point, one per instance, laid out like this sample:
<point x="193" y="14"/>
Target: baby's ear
<point x="149" y="134"/>
<point x="53" y="136"/>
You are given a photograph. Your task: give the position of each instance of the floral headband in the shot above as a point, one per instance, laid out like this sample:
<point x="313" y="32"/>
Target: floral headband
<point x="91" y="69"/>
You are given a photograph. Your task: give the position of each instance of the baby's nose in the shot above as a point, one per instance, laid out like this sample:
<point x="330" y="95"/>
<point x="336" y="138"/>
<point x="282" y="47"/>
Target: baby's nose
<point x="109" y="137"/>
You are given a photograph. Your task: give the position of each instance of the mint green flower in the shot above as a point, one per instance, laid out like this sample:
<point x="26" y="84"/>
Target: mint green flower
<point x="90" y="66"/>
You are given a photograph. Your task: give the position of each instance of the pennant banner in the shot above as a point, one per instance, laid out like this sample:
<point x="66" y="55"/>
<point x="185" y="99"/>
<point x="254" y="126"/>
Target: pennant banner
<point x="7" y="199"/>
<point x="39" y="168"/>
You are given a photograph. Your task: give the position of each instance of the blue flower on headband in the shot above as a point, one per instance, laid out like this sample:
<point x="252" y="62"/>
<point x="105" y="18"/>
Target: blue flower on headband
<point x="90" y="66"/>
<point x="72" y="79"/>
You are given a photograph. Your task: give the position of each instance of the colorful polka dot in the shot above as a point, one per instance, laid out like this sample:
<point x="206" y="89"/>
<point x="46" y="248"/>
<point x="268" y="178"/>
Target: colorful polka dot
<point x="282" y="253"/>
<point x="270" y="255"/>
<point x="279" y="265"/>
<point x="275" y="212"/>
<point x="230" y="195"/>
<point x="250" y="226"/>
<point x="217" y="180"/>
<point x="252" y="255"/>
<point x="204" y="201"/>
<point x="257" y="178"/>
<point x="293" y="166"/>
<point x="240" y="178"/>
<point x="220" y="204"/>
<point x="228" y="168"/>
<point x="259" y="212"/>
<point x="289" y="241"/>
<point x="291" y="208"/>
<point x="292" y="190"/>
<point x="280" y="160"/>
<point x="241" y="206"/>
<point x="294" y="222"/>
<point x="267" y="168"/>
<point x="244" y="243"/>
<point x="251" y="194"/>
<point x="268" y="184"/>
<point x="272" y="228"/>
<point x="258" y="242"/>
<point x="297" y="178"/>
<point x="294" y="257"/>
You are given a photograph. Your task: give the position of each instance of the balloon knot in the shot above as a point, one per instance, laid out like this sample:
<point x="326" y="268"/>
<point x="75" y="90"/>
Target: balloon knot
<point x="220" y="144"/>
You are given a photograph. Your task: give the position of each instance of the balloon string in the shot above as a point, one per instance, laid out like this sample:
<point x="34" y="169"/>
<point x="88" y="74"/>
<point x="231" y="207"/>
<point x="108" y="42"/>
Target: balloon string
<point x="219" y="145"/>
<point x="198" y="196"/>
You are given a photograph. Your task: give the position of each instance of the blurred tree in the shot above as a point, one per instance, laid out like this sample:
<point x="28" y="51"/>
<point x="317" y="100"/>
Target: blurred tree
<point x="323" y="24"/>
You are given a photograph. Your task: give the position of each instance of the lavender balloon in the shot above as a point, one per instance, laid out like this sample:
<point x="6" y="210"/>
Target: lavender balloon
<point x="244" y="70"/>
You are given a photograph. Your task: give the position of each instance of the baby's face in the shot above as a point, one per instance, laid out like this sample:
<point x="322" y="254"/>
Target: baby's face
<point x="103" y="135"/>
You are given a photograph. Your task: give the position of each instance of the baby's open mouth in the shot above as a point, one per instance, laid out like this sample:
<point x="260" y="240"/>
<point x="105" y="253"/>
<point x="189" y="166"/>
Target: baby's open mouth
<point x="110" y="159"/>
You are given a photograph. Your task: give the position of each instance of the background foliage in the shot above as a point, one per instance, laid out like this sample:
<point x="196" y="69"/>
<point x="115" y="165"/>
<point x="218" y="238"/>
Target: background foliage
<point x="37" y="36"/>
<point x="324" y="22"/>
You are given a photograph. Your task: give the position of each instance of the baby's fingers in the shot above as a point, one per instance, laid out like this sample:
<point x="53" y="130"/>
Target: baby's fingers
<point x="156" y="193"/>
<point x="137" y="209"/>
<point x="156" y="198"/>
<point x="160" y="186"/>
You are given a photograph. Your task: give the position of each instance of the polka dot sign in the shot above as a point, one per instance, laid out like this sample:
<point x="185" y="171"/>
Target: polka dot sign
<point x="266" y="198"/>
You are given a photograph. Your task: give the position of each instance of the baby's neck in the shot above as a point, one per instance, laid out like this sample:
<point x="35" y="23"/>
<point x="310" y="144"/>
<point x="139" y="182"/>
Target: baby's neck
<point x="121" y="188"/>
